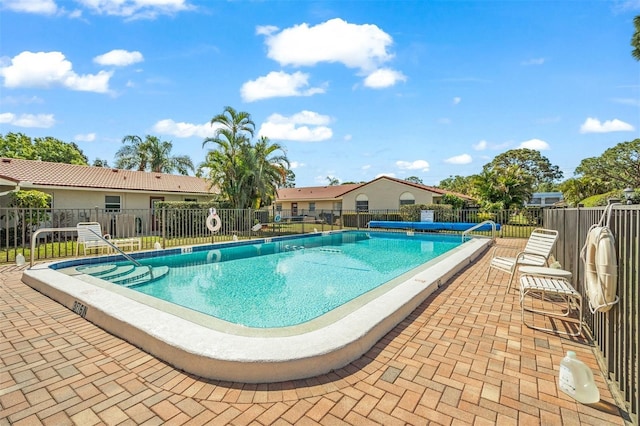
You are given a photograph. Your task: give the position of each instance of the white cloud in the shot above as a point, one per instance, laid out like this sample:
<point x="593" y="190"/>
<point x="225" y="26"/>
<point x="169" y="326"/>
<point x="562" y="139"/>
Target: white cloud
<point x="266" y="29"/>
<point x="459" y="159"/>
<point x="480" y="146"/>
<point x="43" y="121"/>
<point x="148" y="9"/>
<point x="627" y="101"/>
<point x="305" y="126"/>
<point x="15" y="100"/>
<point x="385" y="174"/>
<point x="533" y="61"/>
<point x="45" y="69"/>
<point x="87" y="137"/>
<point x="119" y="58"/>
<point x="593" y="125"/>
<point x="456" y="100"/>
<point x="413" y="165"/>
<point x="383" y="77"/>
<point x="184" y="130"/>
<point x="537" y="144"/>
<point x="296" y="165"/>
<point x="362" y="47"/>
<point x="278" y="84"/>
<point x="445" y="120"/>
<point x="347" y="137"/>
<point x="366" y="167"/>
<point x="44" y="7"/>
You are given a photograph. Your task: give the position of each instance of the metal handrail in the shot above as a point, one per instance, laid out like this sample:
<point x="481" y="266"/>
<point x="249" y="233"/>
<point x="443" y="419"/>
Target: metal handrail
<point x="493" y="229"/>
<point x="34" y="240"/>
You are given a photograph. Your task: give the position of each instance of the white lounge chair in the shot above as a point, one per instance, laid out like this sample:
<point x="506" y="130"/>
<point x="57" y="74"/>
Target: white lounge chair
<point x="90" y="236"/>
<point x="535" y="253"/>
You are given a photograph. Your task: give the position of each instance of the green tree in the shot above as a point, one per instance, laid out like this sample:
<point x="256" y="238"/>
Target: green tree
<point x="577" y="189"/>
<point x="18" y="145"/>
<point x="635" y="39"/>
<point x="98" y="162"/>
<point x="502" y="187"/>
<point x="247" y="175"/>
<point x="333" y="181"/>
<point x="290" y="179"/>
<point x="151" y="155"/>
<point x="460" y="184"/>
<point x="617" y="168"/>
<point x="414" y="179"/>
<point x="531" y="162"/>
<point x="267" y="167"/>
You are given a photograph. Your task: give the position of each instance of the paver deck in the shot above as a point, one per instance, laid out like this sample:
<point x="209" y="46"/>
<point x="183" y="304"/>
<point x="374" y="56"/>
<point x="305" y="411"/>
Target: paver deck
<point x="463" y="357"/>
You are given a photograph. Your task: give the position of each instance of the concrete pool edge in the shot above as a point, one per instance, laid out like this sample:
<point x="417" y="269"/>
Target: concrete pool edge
<point x="217" y="355"/>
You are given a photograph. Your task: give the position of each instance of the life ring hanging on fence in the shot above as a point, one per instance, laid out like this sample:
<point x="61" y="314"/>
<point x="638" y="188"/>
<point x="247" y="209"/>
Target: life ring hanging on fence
<point x="213" y="221"/>
<point x="601" y="269"/>
<point x="601" y="266"/>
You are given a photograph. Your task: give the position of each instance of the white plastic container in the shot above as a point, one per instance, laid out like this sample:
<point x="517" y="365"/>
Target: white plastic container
<point x="576" y="380"/>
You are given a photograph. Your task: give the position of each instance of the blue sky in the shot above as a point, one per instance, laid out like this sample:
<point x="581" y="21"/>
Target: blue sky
<point x="351" y="89"/>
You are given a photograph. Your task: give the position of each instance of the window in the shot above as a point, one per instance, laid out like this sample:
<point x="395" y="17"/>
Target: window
<point x="279" y="207"/>
<point x="112" y="203"/>
<point x="312" y="207"/>
<point x="407" y="198"/>
<point x="337" y="205"/>
<point x="362" y="203"/>
<point x="551" y="200"/>
<point x="191" y="200"/>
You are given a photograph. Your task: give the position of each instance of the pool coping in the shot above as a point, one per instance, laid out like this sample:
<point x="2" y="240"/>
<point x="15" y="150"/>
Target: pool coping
<point x="214" y="354"/>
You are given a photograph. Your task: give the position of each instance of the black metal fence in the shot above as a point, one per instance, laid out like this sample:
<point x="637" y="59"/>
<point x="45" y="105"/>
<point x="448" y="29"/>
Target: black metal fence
<point x="180" y="227"/>
<point x="615" y="332"/>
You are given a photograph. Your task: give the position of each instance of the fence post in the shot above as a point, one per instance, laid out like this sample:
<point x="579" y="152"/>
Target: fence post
<point x="163" y="227"/>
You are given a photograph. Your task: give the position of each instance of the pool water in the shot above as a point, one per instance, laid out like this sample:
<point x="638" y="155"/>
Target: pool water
<point x="289" y="282"/>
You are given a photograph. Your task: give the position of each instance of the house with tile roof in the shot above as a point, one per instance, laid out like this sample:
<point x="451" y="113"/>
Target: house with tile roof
<point x="382" y="193"/>
<point x="77" y="187"/>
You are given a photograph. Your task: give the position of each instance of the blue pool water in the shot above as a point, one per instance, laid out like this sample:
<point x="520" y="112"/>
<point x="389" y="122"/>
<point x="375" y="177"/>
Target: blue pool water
<point x="289" y="282"/>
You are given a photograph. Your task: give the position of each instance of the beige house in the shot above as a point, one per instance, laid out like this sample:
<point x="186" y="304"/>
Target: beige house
<point x="87" y="191"/>
<point x="383" y="193"/>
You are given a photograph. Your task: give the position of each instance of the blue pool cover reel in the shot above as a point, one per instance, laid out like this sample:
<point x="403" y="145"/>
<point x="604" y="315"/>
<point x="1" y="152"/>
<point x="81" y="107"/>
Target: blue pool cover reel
<point x="430" y="226"/>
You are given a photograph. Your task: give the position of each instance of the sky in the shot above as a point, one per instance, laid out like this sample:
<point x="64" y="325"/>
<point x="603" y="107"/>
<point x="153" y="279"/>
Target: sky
<point x="351" y="90"/>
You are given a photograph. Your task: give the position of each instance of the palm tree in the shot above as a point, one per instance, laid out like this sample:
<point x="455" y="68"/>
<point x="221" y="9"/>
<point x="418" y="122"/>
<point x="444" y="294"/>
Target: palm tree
<point x="152" y="155"/>
<point x="247" y="175"/>
<point x="635" y="39"/>
<point x="132" y="156"/>
<point x="269" y="171"/>
<point x="224" y="161"/>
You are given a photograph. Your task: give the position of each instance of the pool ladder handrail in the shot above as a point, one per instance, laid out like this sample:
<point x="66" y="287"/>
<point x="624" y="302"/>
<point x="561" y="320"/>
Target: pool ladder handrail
<point x="34" y="240"/>
<point x="478" y="225"/>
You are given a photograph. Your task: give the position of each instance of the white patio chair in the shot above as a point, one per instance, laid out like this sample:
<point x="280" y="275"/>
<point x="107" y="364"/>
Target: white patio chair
<point x="535" y="253"/>
<point x="89" y="236"/>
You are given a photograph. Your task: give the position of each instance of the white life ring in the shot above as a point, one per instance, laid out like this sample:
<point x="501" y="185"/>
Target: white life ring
<point x="213" y="221"/>
<point x="601" y="269"/>
<point x="214" y="256"/>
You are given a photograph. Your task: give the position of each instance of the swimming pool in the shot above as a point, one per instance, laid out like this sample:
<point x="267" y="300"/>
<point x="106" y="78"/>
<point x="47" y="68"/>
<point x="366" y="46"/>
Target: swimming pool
<point x="286" y="283"/>
<point x="266" y="352"/>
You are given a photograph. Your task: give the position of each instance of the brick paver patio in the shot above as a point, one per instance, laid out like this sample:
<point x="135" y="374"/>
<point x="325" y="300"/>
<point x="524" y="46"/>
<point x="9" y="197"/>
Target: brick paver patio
<point x="463" y="357"/>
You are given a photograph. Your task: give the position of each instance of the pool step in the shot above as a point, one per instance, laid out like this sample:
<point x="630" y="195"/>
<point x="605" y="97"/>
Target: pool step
<point x="145" y="276"/>
<point x="97" y="270"/>
<point x="125" y="275"/>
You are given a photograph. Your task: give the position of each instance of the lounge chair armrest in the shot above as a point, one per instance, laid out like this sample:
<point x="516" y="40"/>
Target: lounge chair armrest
<point x="502" y="249"/>
<point x="522" y="254"/>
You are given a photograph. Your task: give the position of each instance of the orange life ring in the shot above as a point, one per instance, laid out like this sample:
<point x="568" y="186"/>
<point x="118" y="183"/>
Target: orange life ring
<point x="601" y="269"/>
